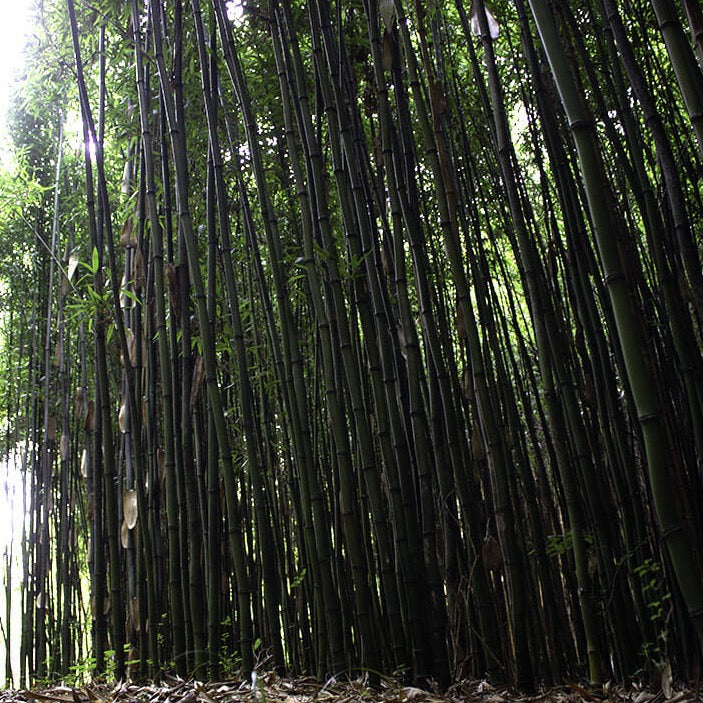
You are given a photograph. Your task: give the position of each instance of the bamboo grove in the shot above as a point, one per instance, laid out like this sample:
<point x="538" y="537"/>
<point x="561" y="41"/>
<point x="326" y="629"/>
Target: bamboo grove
<point x="360" y="335"/>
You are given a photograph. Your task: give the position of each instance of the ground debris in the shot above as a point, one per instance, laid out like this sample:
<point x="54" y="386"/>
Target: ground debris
<point x="269" y="688"/>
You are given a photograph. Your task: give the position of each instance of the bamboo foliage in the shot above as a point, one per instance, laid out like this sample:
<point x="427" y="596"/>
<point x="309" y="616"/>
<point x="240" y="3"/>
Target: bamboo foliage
<point x="384" y="348"/>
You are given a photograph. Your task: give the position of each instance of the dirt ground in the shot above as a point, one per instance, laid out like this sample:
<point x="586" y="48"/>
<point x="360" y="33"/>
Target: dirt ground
<point x="272" y="689"/>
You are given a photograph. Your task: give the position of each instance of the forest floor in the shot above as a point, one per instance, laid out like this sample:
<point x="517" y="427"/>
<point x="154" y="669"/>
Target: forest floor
<point x="272" y="689"/>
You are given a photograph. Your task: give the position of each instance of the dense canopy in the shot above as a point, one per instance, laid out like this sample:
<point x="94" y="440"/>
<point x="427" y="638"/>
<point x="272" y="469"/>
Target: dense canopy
<point x="356" y="335"/>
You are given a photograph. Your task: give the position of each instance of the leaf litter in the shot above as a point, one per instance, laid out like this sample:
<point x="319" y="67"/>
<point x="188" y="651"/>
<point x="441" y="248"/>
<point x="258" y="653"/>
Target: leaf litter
<point x="270" y="688"/>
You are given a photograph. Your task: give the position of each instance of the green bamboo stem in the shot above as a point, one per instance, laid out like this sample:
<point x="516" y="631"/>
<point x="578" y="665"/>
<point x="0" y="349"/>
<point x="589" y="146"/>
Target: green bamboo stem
<point x="642" y="375"/>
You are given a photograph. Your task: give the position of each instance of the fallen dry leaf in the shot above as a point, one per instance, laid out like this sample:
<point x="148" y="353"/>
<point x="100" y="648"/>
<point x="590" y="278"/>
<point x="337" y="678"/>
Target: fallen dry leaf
<point x="273" y="689"/>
